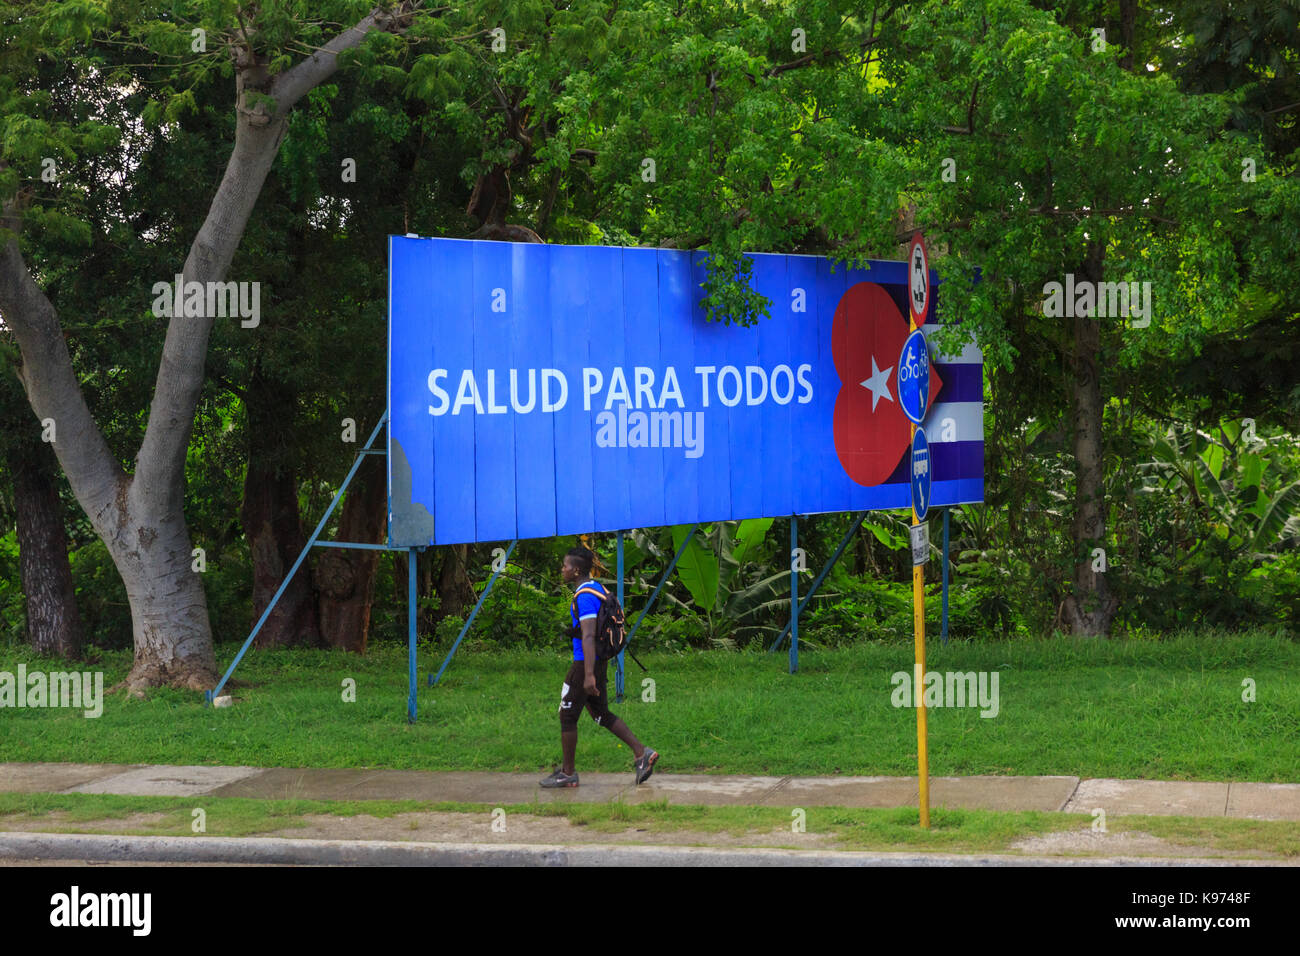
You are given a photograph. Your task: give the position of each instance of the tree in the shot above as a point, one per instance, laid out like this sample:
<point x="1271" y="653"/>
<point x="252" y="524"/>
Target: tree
<point x="53" y="622"/>
<point x="140" y="514"/>
<point x="1115" y="175"/>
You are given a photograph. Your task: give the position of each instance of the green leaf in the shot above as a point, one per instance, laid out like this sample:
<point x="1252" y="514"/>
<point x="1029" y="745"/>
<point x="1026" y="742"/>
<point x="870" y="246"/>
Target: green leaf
<point x="751" y="532"/>
<point x="1280" y="510"/>
<point x="1252" y="470"/>
<point x="772" y="593"/>
<point x="697" y="567"/>
<point x="894" y="542"/>
<point x="1209" y="480"/>
<point x="1213" y="456"/>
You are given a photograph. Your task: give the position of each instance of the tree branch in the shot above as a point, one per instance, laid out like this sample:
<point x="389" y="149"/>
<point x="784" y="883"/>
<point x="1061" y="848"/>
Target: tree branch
<point x="1080" y="213"/>
<point x="969" y="128"/>
<point x="792" y="65"/>
<point x="51" y="382"/>
<point x="161" y="461"/>
<point x="290" y="86"/>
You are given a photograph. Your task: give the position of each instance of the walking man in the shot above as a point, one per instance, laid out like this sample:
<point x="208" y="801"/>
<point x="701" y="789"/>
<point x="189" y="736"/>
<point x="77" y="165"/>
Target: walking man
<point x="585" y="683"/>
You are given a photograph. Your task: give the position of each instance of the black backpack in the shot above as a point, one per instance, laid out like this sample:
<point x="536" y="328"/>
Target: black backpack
<point x="611" y="626"/>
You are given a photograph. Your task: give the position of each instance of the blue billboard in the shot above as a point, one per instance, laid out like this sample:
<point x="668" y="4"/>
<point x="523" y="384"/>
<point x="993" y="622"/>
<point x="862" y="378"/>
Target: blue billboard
<point x="538" y="390"/>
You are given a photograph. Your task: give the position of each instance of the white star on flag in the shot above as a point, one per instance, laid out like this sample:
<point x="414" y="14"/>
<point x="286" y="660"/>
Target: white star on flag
<point x="878" y="383"/>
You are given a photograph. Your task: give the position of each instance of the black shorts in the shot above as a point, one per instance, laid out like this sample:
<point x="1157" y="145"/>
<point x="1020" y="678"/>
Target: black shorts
<point x="573" y="697"/>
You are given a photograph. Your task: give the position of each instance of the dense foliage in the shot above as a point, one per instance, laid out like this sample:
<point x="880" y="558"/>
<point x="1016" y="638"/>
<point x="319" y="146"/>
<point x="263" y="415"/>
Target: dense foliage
<point x="1025" y="149"/>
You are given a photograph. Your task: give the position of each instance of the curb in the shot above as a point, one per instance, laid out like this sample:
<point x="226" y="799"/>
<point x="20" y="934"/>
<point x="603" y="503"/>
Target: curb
<point x="268" y="851"/>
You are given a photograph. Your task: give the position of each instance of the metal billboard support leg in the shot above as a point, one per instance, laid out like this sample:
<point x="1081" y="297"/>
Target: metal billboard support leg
<point x="411" y="614"/>
<point x="817" y="582"/>
<point x="943" y="633"/>
<point x="794" y="594"/>
<point x="618" y="661"/>
<point x="433" y="679"/>
<point x="209" y="696"/>
<point x="662" y="581"/>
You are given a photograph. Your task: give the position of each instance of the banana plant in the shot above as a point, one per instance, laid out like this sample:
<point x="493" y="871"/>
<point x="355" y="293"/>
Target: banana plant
<point x="737" y="594"/>
<point x="1231" y="483"/>
<point x="709" y="581"/>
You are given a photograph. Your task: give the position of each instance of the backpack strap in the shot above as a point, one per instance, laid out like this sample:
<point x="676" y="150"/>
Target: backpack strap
<point x="586" y="589"/>
<point x="628" y="651"/>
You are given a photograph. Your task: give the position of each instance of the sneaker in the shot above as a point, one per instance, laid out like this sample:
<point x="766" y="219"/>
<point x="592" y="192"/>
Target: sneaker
<point x="560" y="779"/>
<point x="646" y="765"/>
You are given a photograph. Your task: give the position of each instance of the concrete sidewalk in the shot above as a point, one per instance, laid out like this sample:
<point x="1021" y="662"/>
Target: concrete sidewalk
<point x="1256" y="801"/>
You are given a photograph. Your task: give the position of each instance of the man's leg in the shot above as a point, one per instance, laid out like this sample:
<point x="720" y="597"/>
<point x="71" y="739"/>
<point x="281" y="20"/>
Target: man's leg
<point x="643" y="757"/>
<point x="599" y="708"/>
<point x="569" y="745"/>
<point x="572" y="699"/>
<point x="624" y="733"/>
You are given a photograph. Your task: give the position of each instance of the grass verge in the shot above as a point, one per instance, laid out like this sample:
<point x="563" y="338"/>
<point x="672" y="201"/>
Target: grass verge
<point x="1169" y="709"/>
<point x="842" y="828"/>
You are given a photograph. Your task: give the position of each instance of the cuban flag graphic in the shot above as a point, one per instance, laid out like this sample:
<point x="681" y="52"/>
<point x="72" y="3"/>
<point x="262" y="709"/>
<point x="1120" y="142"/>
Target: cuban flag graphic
<point x="872" y="435"/>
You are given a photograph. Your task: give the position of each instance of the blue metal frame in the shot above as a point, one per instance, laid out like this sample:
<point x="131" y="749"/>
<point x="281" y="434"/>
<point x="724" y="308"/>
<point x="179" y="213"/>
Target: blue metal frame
<point x="817" y="582"/>
<point x="943" y="634"/>
<point x="795" y="607"/>
<point x="311" y="542"/>
<point x="618" y="661"/>
<point x="793" y="627"/>
<point x="433" y="680"/>
<point x="662" y="581"/>
<point x="411" y="617"/>
<point x="797" y="604"/>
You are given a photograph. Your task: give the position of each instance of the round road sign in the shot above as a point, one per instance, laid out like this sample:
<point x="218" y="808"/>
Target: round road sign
<point x="914" y="377"/>
<point x="918" y="280"/>
<point x="922" y="474"/>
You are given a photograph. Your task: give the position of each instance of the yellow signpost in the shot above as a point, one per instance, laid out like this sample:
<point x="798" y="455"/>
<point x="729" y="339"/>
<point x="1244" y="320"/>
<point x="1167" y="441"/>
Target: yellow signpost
<point x="919" y="305"/>
<point x="918" y="630"/>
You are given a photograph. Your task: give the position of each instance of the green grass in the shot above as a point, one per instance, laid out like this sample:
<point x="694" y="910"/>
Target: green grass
<point x="1151" y="709"/>
<point x="955" y="831"/>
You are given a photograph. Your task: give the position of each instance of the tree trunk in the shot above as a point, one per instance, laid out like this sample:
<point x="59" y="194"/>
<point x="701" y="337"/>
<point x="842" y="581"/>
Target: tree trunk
<point x="401" y="582"/>
<point x="455" y="593"/>
<point x="53" y="623"/>
<point x="1089" y="610"/>
<point x="427" y="618"/>
<point x="169" y="611"/>
<point x="272" y="524"/>
<point x="345" y="577"/>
